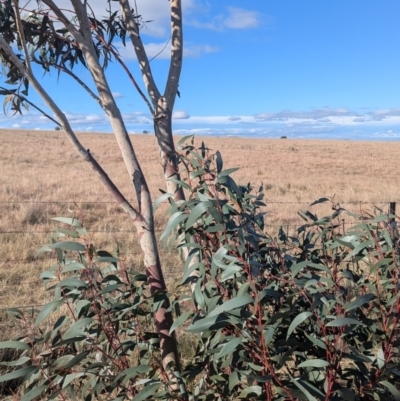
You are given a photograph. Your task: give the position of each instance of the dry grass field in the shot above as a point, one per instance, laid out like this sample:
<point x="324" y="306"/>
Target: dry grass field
<point x="41" y="169"/>
<point x="42" y="177"/>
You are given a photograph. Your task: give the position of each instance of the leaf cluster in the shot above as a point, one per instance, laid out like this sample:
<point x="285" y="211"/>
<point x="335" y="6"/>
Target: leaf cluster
<point x="52" y="46"/>
<point x="313" y="316"/>
<point x="95" y="339"/>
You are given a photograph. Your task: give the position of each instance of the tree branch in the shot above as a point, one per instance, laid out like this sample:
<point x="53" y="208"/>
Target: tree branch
<point x="74" y="76"/>
<point x="64" y="123"/>
<point x="125" y="68"/>
<point x="62" y="18"/>
<point x="133" y="30"/>
<point x="85" y="42"/>
<point x="175" y="67"/>
<point x="23" y="98"/>
<point x="22" y="35"/>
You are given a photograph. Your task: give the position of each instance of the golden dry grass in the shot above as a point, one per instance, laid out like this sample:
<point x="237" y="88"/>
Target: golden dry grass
<point x="41" y="169"/>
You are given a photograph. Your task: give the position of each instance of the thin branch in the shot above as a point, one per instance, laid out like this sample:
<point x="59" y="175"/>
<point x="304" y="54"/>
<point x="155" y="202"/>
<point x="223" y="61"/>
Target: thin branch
<point x="32" y="104"/>
<point x="20" y="30"/>
<point x="133" y="30"/>
<point x="62" y="18"/>
<point x="64" y="123"/>
<point x="74" y="76"/>
<point x="166" y="44"/>
<point x="85" y="42"/>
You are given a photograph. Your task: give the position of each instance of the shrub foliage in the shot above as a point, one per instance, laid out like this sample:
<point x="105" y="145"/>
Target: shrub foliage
<point x="311" y="316"/>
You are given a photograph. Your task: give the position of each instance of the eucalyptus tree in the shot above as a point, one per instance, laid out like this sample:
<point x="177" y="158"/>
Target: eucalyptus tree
<point x="44" y="34"/>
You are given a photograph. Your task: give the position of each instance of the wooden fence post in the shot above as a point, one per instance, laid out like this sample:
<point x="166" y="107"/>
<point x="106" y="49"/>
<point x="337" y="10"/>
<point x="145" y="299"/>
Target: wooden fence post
<point x="392" y="211"/>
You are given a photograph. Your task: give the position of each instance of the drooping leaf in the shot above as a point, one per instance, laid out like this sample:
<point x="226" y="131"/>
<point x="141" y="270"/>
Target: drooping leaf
<point x="233" y="303"/>
<point x="197" y="211"/>
<point x="298" y="320"/>
<point x="147" y="392"/>
<point x="14" y="345"/>
<point x="35" y="392"/>
<point x="46" y="310"/>
<point x="343" y="321"/>
<point x="360" y="301"/>
<point x="18" y="362"/>
<point x="219" y="161"/>
<point x="209" y="323"/>
<point x="393" y="390"/>
<point x="314" y="363"/>
<point x="179" y="321"/>
<point x="229" y="347"/>
<point x="18" y="373"/>
<point x="67" y="220"/>
<point x="70" y="246"/>
<point x="320" y="200"/>
<point x="228" y="171"/>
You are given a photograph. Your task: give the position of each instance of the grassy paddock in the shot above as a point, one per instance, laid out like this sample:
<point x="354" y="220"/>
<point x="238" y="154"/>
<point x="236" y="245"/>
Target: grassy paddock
<point x="42" y="167"/>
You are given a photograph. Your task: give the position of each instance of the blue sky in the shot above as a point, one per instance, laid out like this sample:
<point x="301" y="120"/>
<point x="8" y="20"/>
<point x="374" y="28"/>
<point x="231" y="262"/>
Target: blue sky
<point x="304" y="69"/>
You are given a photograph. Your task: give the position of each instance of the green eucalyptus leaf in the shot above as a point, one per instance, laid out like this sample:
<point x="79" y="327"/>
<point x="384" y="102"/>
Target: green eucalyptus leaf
<point x="360" y="301"/>
<point x="179" y="321"/>
<point x="393" y="390"/>
<point x="71" y="377"/>
<point x="161" y="199"/>
<point x="313" y="363"/>
<point x="229" y="347"/>
<point x="298" y="320"/>
<point x="209" y="324"/>
<point x="228" y="171"/>
<point x="197" y="211"/>
<point x="69" y="246"/>
<point x="76" y="359"/>
<point x="346" y="393"/>
<point x="14" y="345"/>
<point x="183" y="140"/>
<point x="18" y="362"/>
<point x="172" y="224"/>
<point x="46" y="310"/>
<point x="343" y="321"/>
<point x="147" y="392"/>
<point x="361" y="247"/>
<point x="18" y="373"/>
<point x="250" y="391"/>
<point x="219" y="162"/>
<point x="300" y="385"/>
<point x="35" y="392"/>
<point x="234" y="303"/>
<point x="67" y="220"/>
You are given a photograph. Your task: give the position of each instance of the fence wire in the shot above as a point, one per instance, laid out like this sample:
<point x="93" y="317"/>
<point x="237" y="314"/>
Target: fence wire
<point x="288" y="226"/>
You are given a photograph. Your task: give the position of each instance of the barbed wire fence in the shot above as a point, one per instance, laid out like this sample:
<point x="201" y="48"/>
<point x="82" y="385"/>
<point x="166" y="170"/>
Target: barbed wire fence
<point x="391" y="209"/>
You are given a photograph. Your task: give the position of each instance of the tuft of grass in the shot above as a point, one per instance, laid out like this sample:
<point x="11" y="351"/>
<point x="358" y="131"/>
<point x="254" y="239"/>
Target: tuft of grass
<point x="33" y="214"/>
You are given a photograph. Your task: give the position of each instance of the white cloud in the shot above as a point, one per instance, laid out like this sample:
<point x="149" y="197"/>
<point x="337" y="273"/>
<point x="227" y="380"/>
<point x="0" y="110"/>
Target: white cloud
<point x="180" y="115"/>
<point x="315" y="114"/>
<point x="162" y="50"/>
<point x="195" y="51"/>
<point x="157" y="12"/>
<point x="117" y="95"/>
<point x="234" y="18"/>
<point x="318" y="123"/>
<point x="240" y="18"/>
